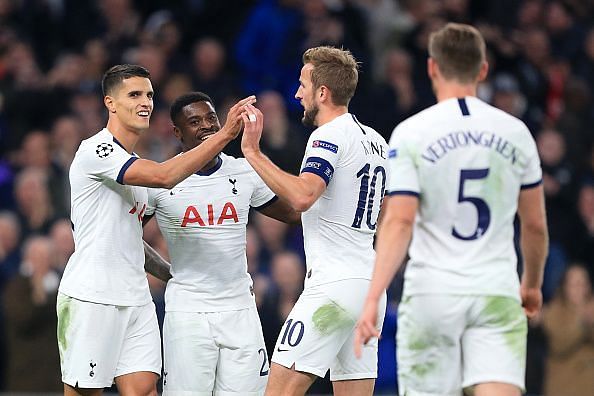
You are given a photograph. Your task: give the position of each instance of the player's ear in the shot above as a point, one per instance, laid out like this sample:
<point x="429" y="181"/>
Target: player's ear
<point x="431" y="66"/>
<point x="483" y="71"/>
<point x="178" y="134"/>
<point x="109" y="103"/>
<point x="324" y="93"/>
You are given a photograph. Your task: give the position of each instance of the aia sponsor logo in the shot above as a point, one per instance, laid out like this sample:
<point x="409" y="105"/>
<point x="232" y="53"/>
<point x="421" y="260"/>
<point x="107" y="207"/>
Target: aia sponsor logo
<point x="211" y="217"/>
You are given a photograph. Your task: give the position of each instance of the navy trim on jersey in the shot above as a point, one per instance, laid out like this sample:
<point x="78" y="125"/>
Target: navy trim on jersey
<point x="531" y="185"/>
<point x="403" y="192"/>
<point x="319" y="166"/>
<point x="72" y="225"/>
<point x="120" y="178"/>
<point x="463" y="106"/>
<point x="116" y="141"/>
<point x="359" y="125"/>
<point x="212" y="170"/>
<point x="267" y="204"/>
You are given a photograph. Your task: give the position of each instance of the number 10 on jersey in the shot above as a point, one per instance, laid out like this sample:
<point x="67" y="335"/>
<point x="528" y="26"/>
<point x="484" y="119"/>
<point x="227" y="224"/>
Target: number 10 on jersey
<point x="367" y="191"/>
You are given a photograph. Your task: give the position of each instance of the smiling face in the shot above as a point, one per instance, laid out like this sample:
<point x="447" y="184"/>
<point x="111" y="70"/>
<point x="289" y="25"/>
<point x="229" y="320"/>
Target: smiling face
<point x="306" y="95"/>
<point x="132" y="103"/>
<point x="196" y="123"/>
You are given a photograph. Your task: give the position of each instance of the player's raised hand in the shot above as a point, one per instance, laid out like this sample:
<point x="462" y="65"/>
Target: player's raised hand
<point x="234" y="121"/>
<point x="531" y="300"/>
<point x="366" y="326"/>
<point x="253" y="120"/>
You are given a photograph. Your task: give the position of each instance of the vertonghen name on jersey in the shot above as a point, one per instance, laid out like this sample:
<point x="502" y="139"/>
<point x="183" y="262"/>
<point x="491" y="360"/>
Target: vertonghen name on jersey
<point x="373" y="148"/>
<point x="455" y="140"/>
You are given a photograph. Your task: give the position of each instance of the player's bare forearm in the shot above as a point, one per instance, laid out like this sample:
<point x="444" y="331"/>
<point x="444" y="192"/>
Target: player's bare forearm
<point x="169" y="173"/>
<point x="282" y="211"/>
<point x="300" y="192"/>
<point x="393" y="237"/>
<point x="533" y="236"/>
<point x="156" y="265"/>
<point x="534" y="246"/>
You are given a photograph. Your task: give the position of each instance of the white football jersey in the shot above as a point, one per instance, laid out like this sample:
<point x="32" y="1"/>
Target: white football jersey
<point x="203" y="220"/>
<point x="338" y="229"/>
<point x="107" y="265"/>
<point x="466" y="161"/>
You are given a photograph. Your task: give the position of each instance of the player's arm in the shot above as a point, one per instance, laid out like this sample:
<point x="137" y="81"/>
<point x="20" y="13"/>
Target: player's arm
<point x="534" y="243"/>
<point x="282" y="211"/>
<point x="167" y="174"/>
<point x="156" y="265"/>
<point x="393" y="237"/>
<point x="300" y="192"/>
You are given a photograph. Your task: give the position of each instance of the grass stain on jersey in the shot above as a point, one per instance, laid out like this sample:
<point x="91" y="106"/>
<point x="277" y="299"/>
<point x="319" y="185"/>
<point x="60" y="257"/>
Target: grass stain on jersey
<point x="505" y="312"/>
<point x="494" y="185"/>
<point x="64" y="320"/>
<point x="330" y="317"/>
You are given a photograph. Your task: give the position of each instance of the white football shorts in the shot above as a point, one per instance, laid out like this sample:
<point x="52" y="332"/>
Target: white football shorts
<point x="319" y="332"/>
<point x="99" y="342"/>
<point x="446" y="343"/>
<point x="220" y="353"/>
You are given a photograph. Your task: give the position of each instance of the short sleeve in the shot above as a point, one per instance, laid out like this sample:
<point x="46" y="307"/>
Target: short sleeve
<point x="106" y="160"/>
<point x="322" y="153"/>
<point x="262" y="195"/>
<point x="403" y="176"/>
<point x="532" y="172"/>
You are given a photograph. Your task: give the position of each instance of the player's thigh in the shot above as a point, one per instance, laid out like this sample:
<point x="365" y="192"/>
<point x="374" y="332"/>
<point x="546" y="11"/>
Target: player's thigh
<point x="347" y="366"/>
<point x="141" y="348"/>
<point x="90" y="339"/>
<point x="243" y="363"/>
<point x="428" y="348"/>
<point x="137" y="383"/>
<point x="190" y="354"/>
<point x="494" y="347"/>
<point x="315" y="331"/>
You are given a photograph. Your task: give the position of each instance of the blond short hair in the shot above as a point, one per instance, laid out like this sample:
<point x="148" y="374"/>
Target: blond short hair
<point x="459" y="51"/>
<point x="336" y="69"/>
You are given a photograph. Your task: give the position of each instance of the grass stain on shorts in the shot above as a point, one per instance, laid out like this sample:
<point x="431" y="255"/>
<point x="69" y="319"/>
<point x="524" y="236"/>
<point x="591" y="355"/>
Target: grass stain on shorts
<point x="330" y="317"/>
<point x="64" y="320"/>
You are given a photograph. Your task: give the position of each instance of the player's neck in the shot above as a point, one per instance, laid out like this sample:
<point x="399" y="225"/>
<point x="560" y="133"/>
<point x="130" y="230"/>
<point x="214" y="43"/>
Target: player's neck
<point x="451" y="90"/>
<point x="211" y="164"/>
<point x="329" y="113"/>
<point x="126" y="137"/>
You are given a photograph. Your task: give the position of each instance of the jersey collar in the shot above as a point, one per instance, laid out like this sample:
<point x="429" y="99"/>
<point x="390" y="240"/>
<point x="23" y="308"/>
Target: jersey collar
<point x="212" y="170"/>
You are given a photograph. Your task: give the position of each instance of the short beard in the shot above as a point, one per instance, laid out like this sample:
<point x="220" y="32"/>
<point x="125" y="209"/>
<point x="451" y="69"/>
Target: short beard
<point x="309" y="117"/>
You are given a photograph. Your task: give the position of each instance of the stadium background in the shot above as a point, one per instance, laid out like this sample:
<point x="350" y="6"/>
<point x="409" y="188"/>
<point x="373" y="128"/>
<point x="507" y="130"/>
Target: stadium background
<point x="52" y="56"/>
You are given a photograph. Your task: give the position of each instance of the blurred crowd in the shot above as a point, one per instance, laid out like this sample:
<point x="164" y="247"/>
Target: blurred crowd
<point x="54" y="52"/>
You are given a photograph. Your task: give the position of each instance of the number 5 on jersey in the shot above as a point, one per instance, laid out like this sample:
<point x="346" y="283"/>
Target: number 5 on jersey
<point x="483" y="212"/>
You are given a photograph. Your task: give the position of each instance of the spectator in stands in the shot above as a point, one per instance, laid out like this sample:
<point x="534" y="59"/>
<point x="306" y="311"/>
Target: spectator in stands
<point x="282" y="139"/>
<point x="34" y="206"/>
<point x="29" y="301"/>
<point x="209" y="70"/>
<point x="63" y="242"/>
<point x="568" y="322"/>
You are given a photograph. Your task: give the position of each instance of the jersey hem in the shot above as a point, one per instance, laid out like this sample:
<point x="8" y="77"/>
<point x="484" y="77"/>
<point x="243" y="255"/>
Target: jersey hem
<point x="117" y="303"/>
<point x="210" y="310"/>
<point x="531" y="185"/>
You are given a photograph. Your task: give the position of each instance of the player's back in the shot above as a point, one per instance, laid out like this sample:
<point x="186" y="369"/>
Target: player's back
<point x="339" y="228"/>
<point x="107" y="264"/>
<point x="467" y="162"/>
